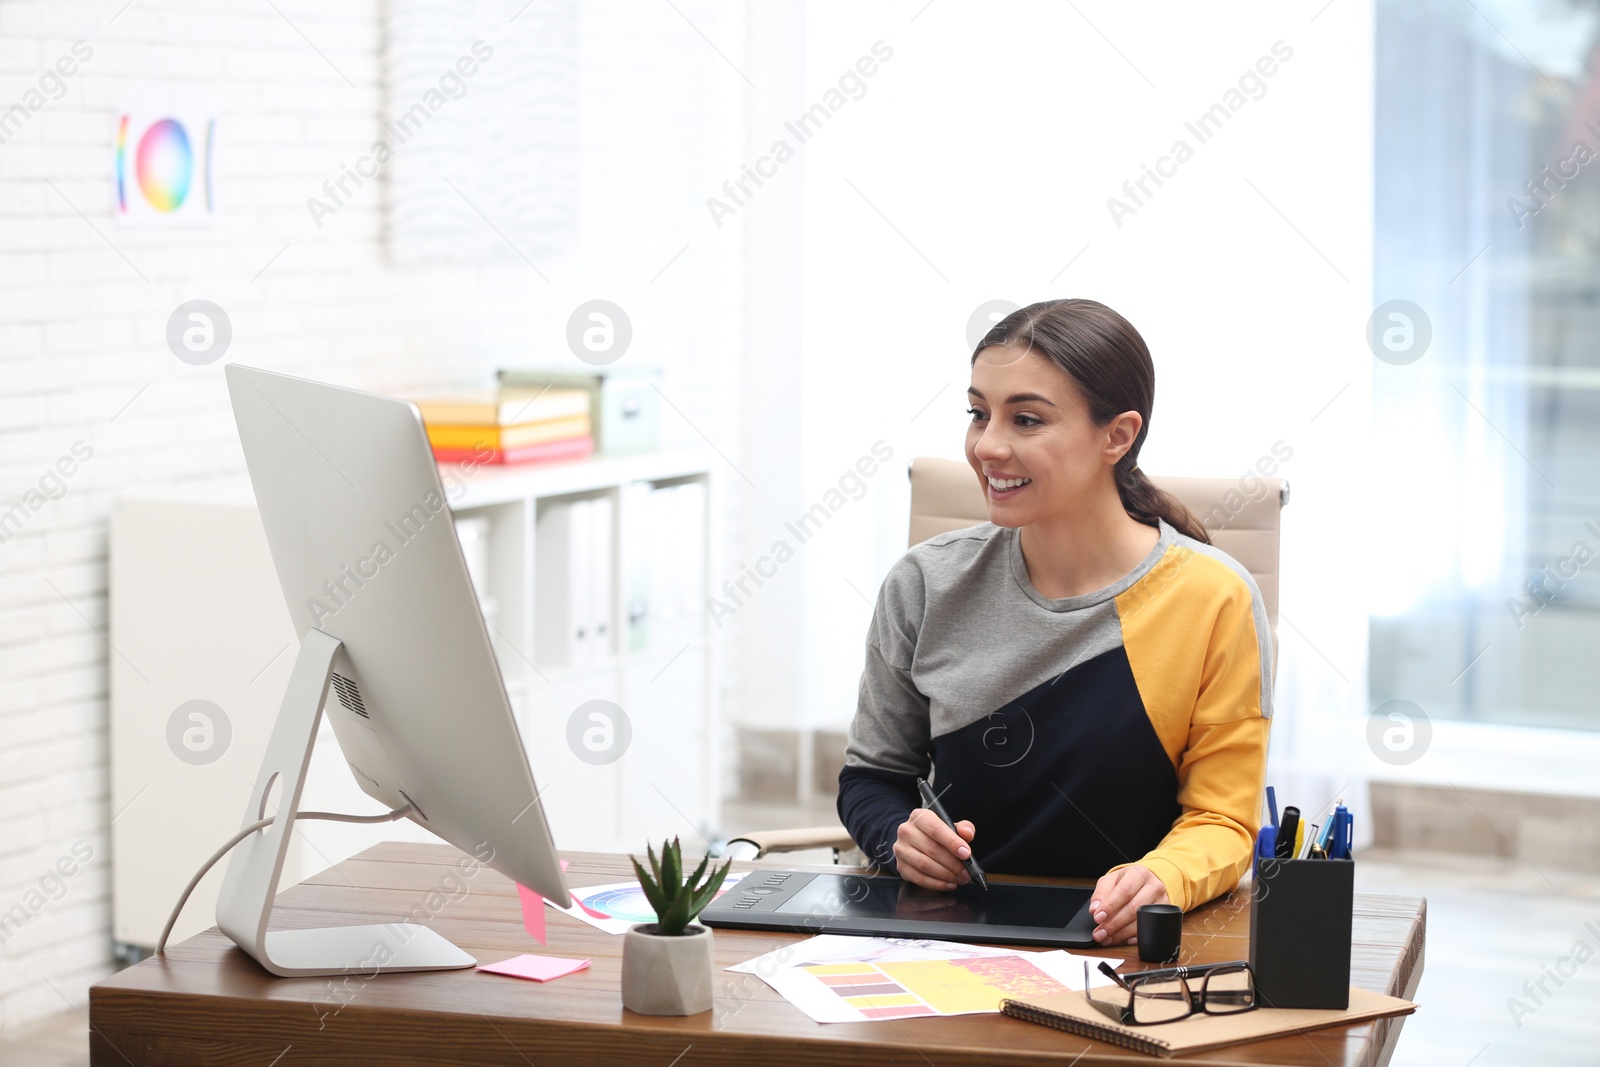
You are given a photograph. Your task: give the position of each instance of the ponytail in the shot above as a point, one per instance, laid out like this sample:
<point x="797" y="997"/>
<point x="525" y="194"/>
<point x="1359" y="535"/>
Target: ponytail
<point x="1108" y="361"/>
<point x="1148" y="504"/>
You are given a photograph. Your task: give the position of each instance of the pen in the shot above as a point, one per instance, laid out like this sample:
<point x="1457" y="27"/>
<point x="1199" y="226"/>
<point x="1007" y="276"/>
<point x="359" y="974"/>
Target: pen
<point x="1339" y="845"/>
<point x="931" y="802"/>
<point x="1267" y="842"/>
<point x="1187" y="970"/>
<point x="1311" y="840"/>
<point x="1325" y="839"/>
<point x="1272" y="805"/>
<point x="1284" y="845"/>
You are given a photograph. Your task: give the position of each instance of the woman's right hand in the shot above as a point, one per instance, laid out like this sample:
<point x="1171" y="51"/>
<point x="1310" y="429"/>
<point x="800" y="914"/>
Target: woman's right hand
<point x="930" y="854"/>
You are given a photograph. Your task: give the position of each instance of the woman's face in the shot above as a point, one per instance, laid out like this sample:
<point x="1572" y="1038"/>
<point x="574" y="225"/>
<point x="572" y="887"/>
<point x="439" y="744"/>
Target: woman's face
<point x="1031" y="441"/>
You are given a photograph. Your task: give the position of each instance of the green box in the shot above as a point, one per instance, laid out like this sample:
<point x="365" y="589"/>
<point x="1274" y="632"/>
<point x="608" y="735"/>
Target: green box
<point x="624" y="405"/>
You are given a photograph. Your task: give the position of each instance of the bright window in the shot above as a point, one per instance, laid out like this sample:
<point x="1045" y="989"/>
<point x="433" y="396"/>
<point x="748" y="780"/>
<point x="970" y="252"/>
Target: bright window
<point x="1486" y="499"/>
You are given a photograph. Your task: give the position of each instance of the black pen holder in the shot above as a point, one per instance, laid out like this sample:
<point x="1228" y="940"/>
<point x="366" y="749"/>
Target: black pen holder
<point x="1300" y="917"/>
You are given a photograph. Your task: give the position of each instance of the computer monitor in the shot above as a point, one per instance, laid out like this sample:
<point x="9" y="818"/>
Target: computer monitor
<point x="393" y="640"/>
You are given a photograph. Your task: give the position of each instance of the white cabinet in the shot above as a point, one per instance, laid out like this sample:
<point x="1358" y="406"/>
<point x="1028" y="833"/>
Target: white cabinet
<point x="622" y="737"/>
<point x="666" y="783"/>
<point x="580" y="795"/>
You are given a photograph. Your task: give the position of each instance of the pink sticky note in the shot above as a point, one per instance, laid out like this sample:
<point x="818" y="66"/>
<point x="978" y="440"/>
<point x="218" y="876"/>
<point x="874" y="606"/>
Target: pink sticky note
<point x="533" y="910"/>
<point x="538" y="968"/>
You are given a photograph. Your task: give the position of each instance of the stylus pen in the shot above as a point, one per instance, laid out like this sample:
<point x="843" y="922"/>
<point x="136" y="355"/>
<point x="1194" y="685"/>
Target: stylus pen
<point x="931" y="802"/>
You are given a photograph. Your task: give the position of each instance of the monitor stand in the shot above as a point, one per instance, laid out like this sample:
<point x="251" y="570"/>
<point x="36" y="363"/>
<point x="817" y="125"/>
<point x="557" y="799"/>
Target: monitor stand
<point x="245" y="904"/>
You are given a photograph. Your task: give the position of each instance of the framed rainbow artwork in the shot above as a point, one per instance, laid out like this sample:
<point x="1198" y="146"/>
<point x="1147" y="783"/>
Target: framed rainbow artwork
<point x="165" y="167"/>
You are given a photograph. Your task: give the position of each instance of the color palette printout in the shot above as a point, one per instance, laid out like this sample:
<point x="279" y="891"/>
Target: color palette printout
<point x="836" y="978"/>
<point x="619" y="905"/>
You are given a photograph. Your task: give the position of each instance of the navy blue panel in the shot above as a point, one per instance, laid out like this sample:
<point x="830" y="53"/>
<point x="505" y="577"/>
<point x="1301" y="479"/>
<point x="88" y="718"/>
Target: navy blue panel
<point x="1069" y="779"/>
<point x="872" y="804"/>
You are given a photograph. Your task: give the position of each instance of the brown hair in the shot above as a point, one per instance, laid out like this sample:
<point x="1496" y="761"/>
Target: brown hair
<point x="1107" y="359"/>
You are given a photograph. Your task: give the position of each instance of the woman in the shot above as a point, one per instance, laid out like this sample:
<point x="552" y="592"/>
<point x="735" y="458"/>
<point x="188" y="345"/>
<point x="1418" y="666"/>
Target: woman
<point x="1086" y="678"/>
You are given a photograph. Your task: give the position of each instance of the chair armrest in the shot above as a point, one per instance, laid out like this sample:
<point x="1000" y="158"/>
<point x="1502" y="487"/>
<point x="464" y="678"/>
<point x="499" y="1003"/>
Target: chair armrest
<point x="795" y="840"/>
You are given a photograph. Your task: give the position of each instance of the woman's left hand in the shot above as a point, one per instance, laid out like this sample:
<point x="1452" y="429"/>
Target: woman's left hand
<point x="1116" y="901"/>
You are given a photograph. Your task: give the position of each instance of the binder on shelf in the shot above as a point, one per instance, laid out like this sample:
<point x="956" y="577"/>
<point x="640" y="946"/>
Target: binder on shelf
<point x="575" y="580"/>
<point x="691" y="565"/>
<point x="663" y="536"/>
<point x="552" y="594"/>
<point x="676" y="548"/>
<point x="560" y="607"/>
<point x="600" y="585"/>
<point x="634" y="565"/>
<point x="580" y="611"/>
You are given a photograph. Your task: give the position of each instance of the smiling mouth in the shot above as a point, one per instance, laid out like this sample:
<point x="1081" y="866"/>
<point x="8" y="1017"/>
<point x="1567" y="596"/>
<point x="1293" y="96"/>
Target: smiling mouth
<point x="1006" y="486"/>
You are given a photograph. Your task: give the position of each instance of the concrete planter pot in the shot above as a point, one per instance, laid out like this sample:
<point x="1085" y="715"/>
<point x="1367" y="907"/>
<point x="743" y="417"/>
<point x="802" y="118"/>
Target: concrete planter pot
<point x="666" y="975"/>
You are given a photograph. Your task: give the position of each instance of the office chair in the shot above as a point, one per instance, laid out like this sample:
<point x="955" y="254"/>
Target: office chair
<point x="1242" y="515"/>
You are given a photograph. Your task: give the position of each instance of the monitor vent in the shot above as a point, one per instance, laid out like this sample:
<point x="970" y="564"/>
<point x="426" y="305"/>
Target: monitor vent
<point x="349" y="695"/>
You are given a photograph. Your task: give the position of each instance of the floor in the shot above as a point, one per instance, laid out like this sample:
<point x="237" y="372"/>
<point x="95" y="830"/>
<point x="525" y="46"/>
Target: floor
<point x="1492" y="927"/>
<point x="61" y="1041"/>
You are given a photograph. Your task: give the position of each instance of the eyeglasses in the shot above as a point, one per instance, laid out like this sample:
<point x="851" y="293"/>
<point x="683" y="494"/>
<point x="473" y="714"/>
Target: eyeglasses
<point x="1166" y="995"/>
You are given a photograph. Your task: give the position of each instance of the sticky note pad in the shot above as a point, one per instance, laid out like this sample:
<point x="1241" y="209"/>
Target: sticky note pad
<point x="538" y="968"/>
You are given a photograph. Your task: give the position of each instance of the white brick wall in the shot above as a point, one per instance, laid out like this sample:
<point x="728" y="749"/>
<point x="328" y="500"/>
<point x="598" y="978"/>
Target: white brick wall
<point x="82" y="335"/>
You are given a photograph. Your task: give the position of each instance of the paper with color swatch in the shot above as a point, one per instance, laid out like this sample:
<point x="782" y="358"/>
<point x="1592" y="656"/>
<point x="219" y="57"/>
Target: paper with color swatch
<point x="618" y="906"/>
<point x="835" y="978"/>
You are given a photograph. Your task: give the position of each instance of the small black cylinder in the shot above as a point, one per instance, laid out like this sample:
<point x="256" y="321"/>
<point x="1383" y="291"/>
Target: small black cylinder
<point x="1160" y="932"/>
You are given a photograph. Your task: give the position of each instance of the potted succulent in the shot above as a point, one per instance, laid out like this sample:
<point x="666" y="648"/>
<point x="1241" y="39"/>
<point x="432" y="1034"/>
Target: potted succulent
<point x="666" y="965"/>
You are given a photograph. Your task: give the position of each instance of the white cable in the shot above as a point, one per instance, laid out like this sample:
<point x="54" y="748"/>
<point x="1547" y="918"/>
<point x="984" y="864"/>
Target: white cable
<point x="322" y="816"/>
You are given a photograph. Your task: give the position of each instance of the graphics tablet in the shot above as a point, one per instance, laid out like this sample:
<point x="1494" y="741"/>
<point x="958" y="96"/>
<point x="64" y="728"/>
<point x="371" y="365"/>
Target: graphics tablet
<point x="1011" y="913"/>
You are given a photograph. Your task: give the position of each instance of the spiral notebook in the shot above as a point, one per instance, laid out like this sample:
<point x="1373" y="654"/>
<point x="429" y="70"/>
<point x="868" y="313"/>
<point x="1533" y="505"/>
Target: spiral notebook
<point x="1073" y="1013"/>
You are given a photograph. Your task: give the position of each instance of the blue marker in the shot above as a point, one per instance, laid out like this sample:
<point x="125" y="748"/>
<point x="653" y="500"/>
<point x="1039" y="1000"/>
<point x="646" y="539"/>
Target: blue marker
<point x="1266" y="842"/>
<point x="1340" y="843"/>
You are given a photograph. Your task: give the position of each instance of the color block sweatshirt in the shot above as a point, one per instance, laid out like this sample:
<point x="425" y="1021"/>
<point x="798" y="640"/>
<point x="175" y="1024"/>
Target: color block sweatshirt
<point x="1078" y="734"/>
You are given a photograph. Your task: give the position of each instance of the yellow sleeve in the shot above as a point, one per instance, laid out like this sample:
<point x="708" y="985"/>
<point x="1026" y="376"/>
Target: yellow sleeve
<point x="1209" y="847"/>
<point x="1205" y="703"/>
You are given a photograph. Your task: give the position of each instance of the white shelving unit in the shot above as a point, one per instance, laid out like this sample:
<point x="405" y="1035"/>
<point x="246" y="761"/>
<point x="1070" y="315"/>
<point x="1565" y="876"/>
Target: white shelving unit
<point x="196" y="614"/>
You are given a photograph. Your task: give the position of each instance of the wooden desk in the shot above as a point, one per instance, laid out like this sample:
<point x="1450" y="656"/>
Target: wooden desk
<point x="206" y="1002"/>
